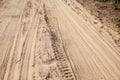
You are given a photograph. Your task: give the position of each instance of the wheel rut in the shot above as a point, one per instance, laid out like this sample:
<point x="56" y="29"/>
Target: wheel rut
<point x="50" y="54"/>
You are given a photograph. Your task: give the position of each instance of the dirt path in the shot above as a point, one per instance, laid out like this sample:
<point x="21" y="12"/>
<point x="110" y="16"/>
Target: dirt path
<point x="54" y="40"/>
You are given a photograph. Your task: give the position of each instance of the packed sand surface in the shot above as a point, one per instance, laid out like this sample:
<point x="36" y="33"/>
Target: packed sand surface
<point x="54" y="40"/>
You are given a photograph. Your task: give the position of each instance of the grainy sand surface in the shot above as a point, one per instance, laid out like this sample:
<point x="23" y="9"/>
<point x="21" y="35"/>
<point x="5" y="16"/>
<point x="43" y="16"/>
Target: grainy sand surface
<point x="54" y="40"/>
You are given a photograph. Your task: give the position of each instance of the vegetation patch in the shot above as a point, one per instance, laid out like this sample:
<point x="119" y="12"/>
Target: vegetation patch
<point x="115" y="3"/>
<point x="118" y="22"/>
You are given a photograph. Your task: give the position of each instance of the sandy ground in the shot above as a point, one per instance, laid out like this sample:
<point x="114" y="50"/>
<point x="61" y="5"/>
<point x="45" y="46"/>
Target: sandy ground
<point x="54" y="40"/>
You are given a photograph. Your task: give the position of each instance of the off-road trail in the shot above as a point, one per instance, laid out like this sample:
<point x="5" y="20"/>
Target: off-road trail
<point x="54" y="40"/>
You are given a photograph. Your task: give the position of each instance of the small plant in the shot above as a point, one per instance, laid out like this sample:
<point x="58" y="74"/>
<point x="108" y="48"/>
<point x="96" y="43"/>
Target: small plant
<point x="118" y="23"/>
<point x="103" y="0"/>
<point x="115" y="3"/>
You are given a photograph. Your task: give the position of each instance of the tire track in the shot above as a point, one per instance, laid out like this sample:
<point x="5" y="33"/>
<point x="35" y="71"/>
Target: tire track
<point x="49" y="53"/>
<point x="7" y="47"/>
